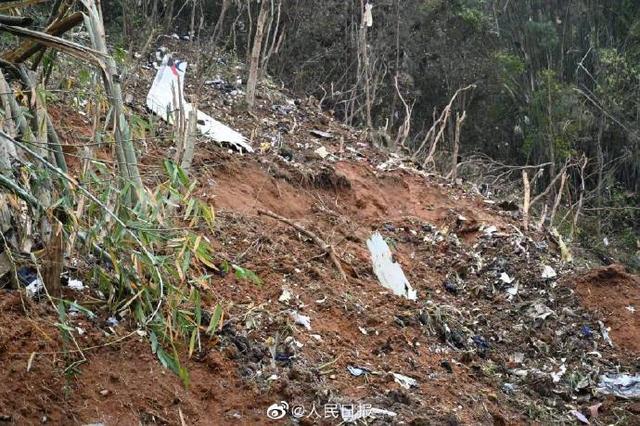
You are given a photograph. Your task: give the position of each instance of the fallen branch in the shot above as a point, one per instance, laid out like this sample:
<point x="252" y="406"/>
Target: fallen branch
<point x="20" y="21"/>
<point x="328" y="249"/>
<point x="29" y="47"/>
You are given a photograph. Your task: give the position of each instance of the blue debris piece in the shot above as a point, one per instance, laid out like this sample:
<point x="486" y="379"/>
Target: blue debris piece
<point x="481" y="342"/>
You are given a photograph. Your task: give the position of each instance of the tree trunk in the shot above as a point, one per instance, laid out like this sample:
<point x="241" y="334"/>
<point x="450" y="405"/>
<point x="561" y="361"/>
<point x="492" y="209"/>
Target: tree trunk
<point x="254" y="64"/>
<point x="217" y="30"/>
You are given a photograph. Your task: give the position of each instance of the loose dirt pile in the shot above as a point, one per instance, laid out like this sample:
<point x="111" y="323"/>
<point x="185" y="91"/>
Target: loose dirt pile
<point x="614" y="295"/>
<point x="498" y="334"/>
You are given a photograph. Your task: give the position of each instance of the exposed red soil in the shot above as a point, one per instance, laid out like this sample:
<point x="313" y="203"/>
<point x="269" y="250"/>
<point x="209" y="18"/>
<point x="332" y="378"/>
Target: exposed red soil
<point x="138" y="388"/>
<point x="225" y="386"/>
<point x="615" y="295"/>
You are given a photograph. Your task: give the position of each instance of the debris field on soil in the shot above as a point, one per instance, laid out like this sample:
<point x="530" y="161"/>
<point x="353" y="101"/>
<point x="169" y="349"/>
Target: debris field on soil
<point x="502" y="331"/>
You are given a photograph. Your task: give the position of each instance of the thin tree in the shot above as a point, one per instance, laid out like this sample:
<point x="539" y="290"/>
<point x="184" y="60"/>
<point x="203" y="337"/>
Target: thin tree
<point x="254" y="63"/>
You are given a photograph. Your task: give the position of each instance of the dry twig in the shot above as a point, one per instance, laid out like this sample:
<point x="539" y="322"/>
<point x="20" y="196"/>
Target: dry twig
<point x="328" y="249"/>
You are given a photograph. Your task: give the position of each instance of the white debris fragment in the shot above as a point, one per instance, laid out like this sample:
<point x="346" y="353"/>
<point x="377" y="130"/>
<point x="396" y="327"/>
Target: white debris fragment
<point x="389" y="273"/>
<point x="581" y="417"/>
<point x="405" y="381"/>
<point x="620" y="385"/>
<point x="540" y="311"/>
<point x="490" y="230"/>
<point x="512" y="291"/>
<point x="76" y="285"/>
<point x="168" y="87"/>
<point x="35" y="287"/>
<point x="302" y="320"/>
<point x="368" y="16"/>
<point x="631" y="308"/>
<point x="605" y="333"/>
<point x="285" y="296"/>
<point x="556" y="376"/>
<point x="322" y="152"/>
<point x="321" y="134"/>
<point x="505" y="278"/>
<point x="548" y="272"/>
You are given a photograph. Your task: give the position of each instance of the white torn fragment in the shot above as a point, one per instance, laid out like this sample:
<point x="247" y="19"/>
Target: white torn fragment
<point x="540" y="311"/>
<point x="368" y="15"/>
<point x="302" y="320"/>
<point x="389" y="273"/>
<point x="35" y="287"/>
<point x="166" y="96"/>
<point x="285" y="296"/>
<point x="322" y="152"/>
<point x="490" y="230"/>
<point x="405" y="381"/>
<point x="321" y="134"/>
<point x="505" y="278"/>
<point x="548" y="272"/>
<point x="556" y="376"/>
<point x="578" y="415"/>
<point x="605" y="333"/>
<point x="621" y="385"/>
<point x="512" y="291"/>
<point x="76" y="285"/>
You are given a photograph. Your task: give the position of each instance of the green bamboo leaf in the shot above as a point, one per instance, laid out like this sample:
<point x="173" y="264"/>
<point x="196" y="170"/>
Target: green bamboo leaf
<point x="215" y="320"/>
<point x="192" y="341"/>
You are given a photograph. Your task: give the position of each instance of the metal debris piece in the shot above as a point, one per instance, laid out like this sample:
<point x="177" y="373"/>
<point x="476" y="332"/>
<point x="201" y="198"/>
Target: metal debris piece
<point x="168" y="89"/>
<point x="358" y="371"/>
<point x="621" y="385"/>
<point x="490" y="230"/>
<point x="389" y="273"/>
<point x="556" y="376"/>
<point x="76" y="285"/>
<point x="548" y="272"/>
<point x="405" y="381"/>
<point x="540" y="311"/>
<point x="321" y="134"/>
<point x="35" y="287"/>
<point x="322" y="152"/>
<point x="302" y="320"/>
<point x="285" y="296"/>
<point x="578" y="415"/>
<point x="505" y="278"/>
<point x="605" y="333"/>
